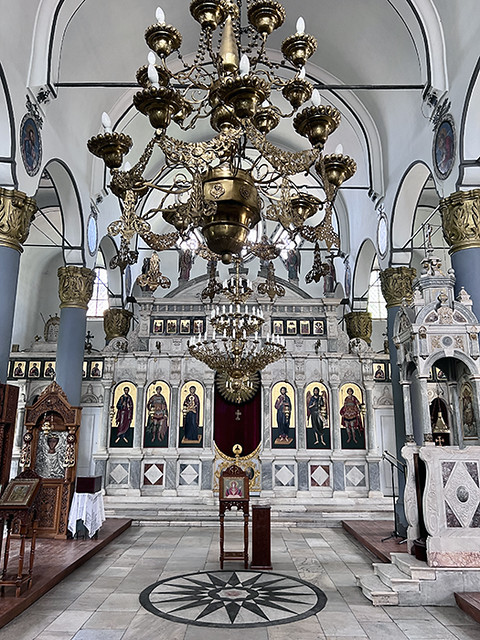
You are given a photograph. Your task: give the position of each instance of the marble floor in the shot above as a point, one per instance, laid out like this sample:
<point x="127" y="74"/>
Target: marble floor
<point x="100" y="600"/>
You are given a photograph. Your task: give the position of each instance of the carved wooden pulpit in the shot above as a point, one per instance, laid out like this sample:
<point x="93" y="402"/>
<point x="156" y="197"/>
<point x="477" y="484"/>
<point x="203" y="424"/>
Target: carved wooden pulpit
<point x="50" y="446"/>
<point x="8" y="414"/>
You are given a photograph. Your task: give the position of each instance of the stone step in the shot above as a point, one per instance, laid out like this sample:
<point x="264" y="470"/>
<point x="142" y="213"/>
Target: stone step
<point x="391" y="576"/>
<point x="413" y="568"/>
<point x="376" y="591"/>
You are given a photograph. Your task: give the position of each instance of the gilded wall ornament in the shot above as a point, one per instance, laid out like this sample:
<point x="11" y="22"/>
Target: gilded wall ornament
<point x="461" y="219"/>
<point x="75" y="286"/>
<point x="16" y="214"/>
<point x="359" y="325"/>
<point x="116" y="322"/>
<point x="397" y="284"/>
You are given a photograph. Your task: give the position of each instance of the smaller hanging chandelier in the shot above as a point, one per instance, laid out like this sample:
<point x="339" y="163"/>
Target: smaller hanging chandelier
<point x="235" y="347"/>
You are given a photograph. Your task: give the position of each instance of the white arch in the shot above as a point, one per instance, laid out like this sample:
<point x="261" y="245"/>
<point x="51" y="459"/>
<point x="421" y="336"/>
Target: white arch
<point x="404" y="209"/>
<point x="361" y="275"/>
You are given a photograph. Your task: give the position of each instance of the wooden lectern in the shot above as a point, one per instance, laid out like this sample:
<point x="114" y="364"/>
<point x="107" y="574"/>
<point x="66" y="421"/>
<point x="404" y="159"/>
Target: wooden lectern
<point x="234" y="492"/>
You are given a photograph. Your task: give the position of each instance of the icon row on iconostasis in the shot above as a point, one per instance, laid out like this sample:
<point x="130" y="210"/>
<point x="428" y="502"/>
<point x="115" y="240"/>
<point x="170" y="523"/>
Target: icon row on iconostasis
<point x="317" y="411"/>
<point x="189" y="326"/>
<point x="174" y="326"/>
<point x="21" y="369"/>
<point x="315" y="327"/>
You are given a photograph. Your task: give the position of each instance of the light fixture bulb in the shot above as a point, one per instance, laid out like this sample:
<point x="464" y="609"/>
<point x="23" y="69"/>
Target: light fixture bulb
<point x="127" y="166"/>
<point x="244" y="66"/>
<point x="300" y="26"/>
<point x="339" y="150"/>
<point x="106" y="122"/>
<point x="151" y="58"/>
<point x="265" y="104"/>
<point x="153" y="76"/>
<point x="301" y="75"/>
<point x="160" y="15"/>
<point x="316" y="100"/>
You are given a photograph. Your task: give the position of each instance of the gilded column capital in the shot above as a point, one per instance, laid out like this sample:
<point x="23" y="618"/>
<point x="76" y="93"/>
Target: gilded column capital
<point x="75" y="286"/>
<point x="397" y="284"/>
<point x="359" y="325"/>
<point x="16" y="214"/>
<point x="116" y="323"/>
<point x="460" y="213"/>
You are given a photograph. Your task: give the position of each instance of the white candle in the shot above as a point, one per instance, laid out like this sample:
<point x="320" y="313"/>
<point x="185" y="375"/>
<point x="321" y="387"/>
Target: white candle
<point x="153" y="76"/>
<point x="300" y="27"/>
<point x="106" y="122"/>
<point x="151" y="59"/>
<point x="316" y="100"/>
<point x="244" y="66"/>
<point x="339" y="149"/>
<point x="301" y="75"/>
<point x="160" y="15"/>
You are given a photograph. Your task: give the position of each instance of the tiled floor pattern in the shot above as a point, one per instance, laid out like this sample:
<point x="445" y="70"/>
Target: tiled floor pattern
<point x="100" y="600"/>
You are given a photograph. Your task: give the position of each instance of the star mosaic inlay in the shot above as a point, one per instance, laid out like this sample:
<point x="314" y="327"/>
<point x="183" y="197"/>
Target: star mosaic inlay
<point x="233" y="599"/>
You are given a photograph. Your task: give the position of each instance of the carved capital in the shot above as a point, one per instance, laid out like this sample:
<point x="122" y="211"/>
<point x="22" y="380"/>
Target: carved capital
<point x="75" y="286"/>
<point x="16" y="214"/>
<point x="397" y="284"/>
<point x="116" y="323"/>
<point x="359" y="325"/>
<point x="461" y="219"/>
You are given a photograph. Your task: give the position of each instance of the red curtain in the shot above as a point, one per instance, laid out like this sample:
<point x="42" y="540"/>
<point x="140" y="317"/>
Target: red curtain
<point x="237" y="424"/>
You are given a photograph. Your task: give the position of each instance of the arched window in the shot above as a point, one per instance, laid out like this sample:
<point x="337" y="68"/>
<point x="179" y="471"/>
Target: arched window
<point x="99" y="300"/>
<point x="376" y="304"/>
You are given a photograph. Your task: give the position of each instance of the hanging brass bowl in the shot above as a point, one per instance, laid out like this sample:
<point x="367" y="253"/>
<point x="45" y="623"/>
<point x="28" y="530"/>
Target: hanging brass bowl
<point x="338" y="168"/>
<point x="266" y="16"/>
<point x="266" y="119"/>
<point x="244" y="94"/>
<point x="297" y="92"/>
<point x="298" y="47"/>
<point x="237" y="211"/>
<point x="303" y="206"/>
<point x="209" y="13"/>
<point x="143" y="80"/>
<point x="163" y="39"/>
<point x="159" y="105"/>
<point x="111" y="147"/>
<point x="317" y="123"/>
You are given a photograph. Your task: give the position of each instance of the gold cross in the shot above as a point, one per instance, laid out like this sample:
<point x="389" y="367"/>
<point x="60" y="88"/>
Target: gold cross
<point x="439" y="441"/>
<point x="238" y="414"/>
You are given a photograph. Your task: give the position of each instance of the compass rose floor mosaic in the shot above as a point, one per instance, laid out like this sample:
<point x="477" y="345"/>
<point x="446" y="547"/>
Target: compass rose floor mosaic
<point x="233" y="599"/>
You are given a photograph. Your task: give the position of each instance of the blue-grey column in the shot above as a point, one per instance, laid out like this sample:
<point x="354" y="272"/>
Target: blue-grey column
<point x="9" y="265"/>
<point x="16" y="213"/>
<point x="397" y="284"/>
<point x="462" y="233"/>
<point x="75" y="291"/>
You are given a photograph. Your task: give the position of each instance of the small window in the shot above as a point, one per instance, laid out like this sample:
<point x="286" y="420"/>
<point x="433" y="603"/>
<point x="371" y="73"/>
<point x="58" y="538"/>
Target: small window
<point x="99" y="301"/>
<point x="376" y="302"/>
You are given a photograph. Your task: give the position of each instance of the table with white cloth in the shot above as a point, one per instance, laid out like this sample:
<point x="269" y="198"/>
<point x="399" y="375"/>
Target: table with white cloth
<point x="88" y="508"/>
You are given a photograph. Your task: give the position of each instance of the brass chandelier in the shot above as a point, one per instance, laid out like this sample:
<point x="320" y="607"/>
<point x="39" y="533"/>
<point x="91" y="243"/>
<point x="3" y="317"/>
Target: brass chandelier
<point x="223" y="187"/>
<point x="235" y="347"/>
<point x="219" y="188"/>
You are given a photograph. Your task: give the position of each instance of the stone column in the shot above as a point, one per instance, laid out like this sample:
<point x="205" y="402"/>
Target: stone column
<point x="373" y="455"/>
<point x="338" y="465"/>
<point x="75" y="290"/>
<point x="359" y="325"/>
<point x="426" y="420"/>
<point x="407" y="404"/>
<point x="456" y="427"/>
<point x="461" y="230"/>
<point x="101" y="454"/>
<point x="16" y="214"/>
<point x="397" y="284"/>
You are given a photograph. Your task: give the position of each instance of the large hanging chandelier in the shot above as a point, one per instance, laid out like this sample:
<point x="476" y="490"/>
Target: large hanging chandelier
<point x="235" y="347"/>
<point x="224" y="186"/>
